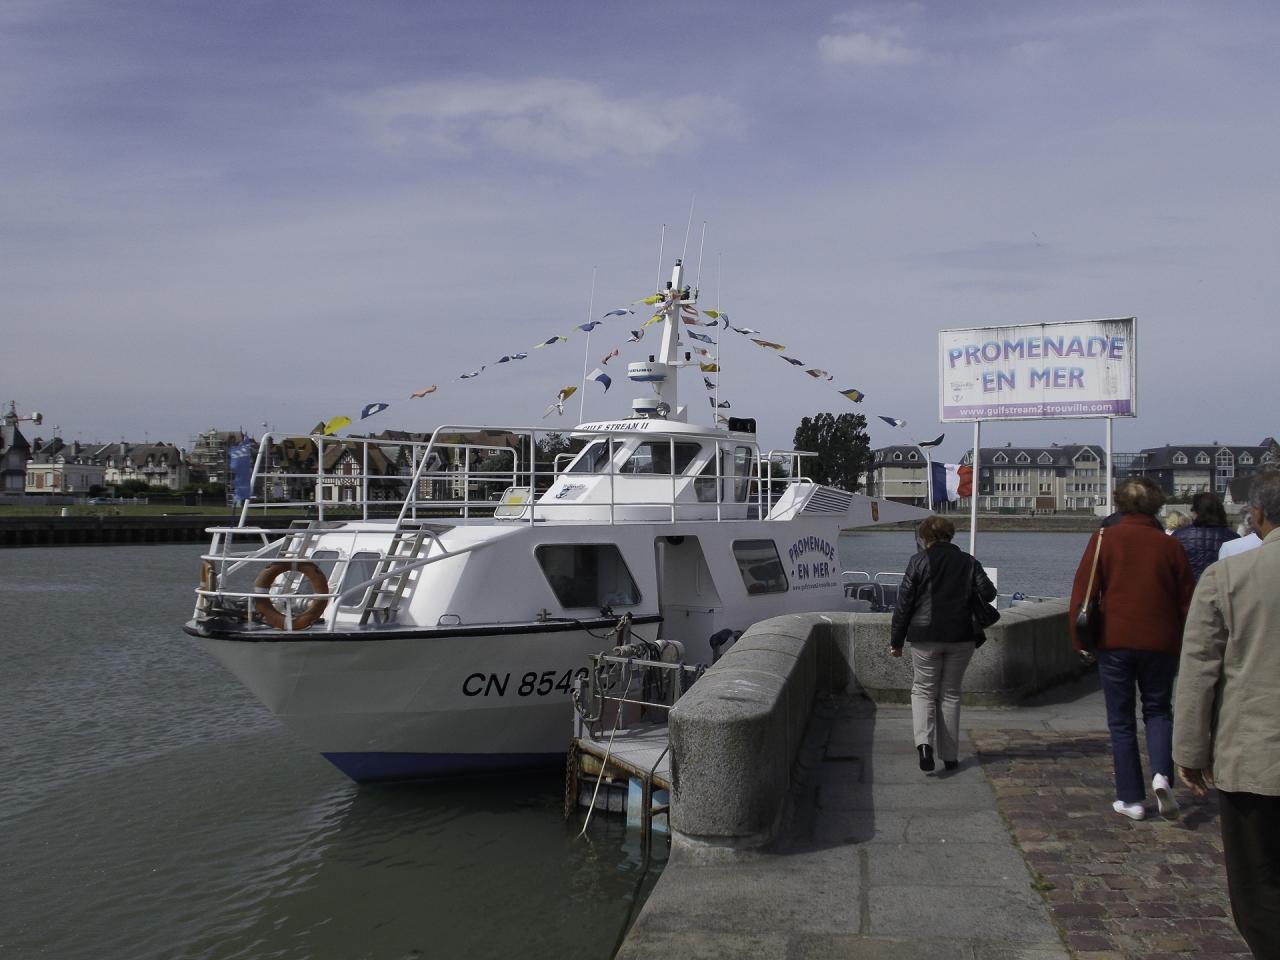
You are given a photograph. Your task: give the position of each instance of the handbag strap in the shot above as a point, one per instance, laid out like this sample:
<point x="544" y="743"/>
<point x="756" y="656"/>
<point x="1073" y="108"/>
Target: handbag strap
<point x="1088" y="591"/>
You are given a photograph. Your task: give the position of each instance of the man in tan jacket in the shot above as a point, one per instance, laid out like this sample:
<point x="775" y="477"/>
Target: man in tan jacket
<point x="1226" y="726"/>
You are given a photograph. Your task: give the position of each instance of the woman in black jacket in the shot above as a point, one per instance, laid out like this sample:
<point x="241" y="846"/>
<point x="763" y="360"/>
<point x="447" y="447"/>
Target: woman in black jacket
<point x="1208" y="532"/>
<point x="933" y="613"/>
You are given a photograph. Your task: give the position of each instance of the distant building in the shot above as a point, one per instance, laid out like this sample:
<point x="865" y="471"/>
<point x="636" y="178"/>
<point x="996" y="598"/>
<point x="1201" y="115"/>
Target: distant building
<point x="15" y="451"/>
<point x="1183" y="470"/>
<point x="57" y="467"/>
<point x="898" y="473"/>
<point x="1040" y="479"/>
<point x="157" y="464"/>
<point x="207" y="460"/>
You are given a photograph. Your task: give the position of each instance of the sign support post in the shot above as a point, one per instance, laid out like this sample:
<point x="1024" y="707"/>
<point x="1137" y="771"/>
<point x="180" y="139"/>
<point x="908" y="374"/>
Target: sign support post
<point x="973" y="497"/>
<point x="1110" y="481"/>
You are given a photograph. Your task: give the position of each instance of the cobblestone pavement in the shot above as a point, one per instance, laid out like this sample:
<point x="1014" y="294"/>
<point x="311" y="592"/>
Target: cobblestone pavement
<point x="1117" y="888"/>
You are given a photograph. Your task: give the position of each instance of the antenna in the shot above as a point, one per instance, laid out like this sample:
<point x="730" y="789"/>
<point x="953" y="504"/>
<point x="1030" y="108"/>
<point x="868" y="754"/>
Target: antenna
<point x="684" y="253"/>
<point x="591" y="309"/>
<point x="697" y="283"/>
<point x="719" y="376"/>
<point x="662" y="239"/>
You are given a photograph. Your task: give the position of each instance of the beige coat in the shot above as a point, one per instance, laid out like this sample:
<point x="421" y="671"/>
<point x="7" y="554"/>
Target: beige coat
<point x="1226" y="714"/>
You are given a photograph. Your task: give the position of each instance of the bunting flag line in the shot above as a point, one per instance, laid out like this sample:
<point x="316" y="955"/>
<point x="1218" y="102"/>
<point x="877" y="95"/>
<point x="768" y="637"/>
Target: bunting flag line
<point x="472" y="375"/>
<point x="549" y="341"/>
<point x="636" y="336"/>
<point x="768" y="344"/>
<point x="699" y="336"/>
<point x="589" y="325"/>
<point x="854" y="395"/>
<point x="700" y="351"/>
<point x="609" y="356"/>
<point x="620" y="312"/>
<point x="929" y="443"/>
<point x="745" y="331"/>
<point x="370" y="409"/>
<point x="422" y="393"/>
<point x="650" y="301"/>
<point x="651" y="321"/>
<point x="599" y="376"/>
<point x="893" y="421"/>
<point x="819" y="374"/>
<point x="793" y="361"/>
<point x="723" y="405"/>
<point x="708" y="383"/>
<point x="336" y="424"/>
<point x="709" y="367"/>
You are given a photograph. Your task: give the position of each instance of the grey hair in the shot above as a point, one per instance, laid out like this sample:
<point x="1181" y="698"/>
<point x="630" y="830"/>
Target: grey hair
<point x="1265" y="495"/>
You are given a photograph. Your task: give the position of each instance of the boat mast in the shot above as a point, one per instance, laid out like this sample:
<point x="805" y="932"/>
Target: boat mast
<point x="661" y="369"/>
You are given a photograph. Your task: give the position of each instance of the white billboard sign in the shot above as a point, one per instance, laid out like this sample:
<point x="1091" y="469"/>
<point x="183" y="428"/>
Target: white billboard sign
<point x="1084" y="368"/>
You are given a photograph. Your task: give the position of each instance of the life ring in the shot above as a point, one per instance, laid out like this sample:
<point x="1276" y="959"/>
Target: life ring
<point x="309" y="614"/>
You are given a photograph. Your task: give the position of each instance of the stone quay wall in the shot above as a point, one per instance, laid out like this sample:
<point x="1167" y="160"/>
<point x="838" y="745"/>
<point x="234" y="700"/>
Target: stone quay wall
<point x="735" y="734"/>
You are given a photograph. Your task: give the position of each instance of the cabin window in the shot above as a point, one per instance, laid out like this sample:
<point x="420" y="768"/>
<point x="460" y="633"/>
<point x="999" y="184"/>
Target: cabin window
<point x="587" y="575"/>
<point x="359" y="568"/>
<point x="704" y="487"/>
<point x="760" y="566"/>
<point x="742" y="461"/>
<point x="594" y="459"/>
<point x="654" y="457"/>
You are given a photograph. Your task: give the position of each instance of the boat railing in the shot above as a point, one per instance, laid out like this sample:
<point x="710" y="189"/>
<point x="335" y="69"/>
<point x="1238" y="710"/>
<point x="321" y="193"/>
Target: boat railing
<point x="470" y="472"/>
<point x="630" y="685"/>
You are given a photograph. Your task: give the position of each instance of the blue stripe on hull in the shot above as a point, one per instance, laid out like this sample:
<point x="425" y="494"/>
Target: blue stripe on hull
<point x="383" y="767"/>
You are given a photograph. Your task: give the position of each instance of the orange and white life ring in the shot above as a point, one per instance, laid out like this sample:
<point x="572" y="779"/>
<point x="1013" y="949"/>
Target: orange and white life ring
<point x="309" y="614"/>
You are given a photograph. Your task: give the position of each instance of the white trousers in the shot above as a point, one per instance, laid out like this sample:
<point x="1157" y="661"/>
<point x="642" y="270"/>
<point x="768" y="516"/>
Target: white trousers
<point x="935" y="694"/>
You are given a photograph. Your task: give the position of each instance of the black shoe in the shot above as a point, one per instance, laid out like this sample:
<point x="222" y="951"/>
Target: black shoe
<point x="951" y="764"/>
<point x="926" y="756"/>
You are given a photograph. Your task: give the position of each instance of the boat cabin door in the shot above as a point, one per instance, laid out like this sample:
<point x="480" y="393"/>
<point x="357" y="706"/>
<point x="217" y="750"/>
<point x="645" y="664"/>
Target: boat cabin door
<point x="687" y="597"/>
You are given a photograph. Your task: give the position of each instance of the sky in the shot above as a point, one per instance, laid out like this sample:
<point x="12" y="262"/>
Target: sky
<point x="229" y="215"/>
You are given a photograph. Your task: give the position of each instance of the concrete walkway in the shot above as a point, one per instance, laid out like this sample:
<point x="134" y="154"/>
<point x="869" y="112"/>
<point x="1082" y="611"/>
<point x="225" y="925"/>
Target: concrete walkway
<point x="877" y="859"/>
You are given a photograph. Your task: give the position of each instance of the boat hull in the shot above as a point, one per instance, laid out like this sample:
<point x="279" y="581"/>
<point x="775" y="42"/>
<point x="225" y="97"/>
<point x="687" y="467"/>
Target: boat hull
<point x="423" y="707"/>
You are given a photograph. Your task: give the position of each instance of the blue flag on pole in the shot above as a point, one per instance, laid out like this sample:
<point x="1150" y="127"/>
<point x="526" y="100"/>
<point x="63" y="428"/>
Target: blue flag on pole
<point x="240" y="466"/>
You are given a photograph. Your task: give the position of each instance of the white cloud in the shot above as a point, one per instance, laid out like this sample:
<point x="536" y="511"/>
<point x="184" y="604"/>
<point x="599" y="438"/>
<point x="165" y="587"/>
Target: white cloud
<point x="559" y="120"/>
<point x="884" y="48"/>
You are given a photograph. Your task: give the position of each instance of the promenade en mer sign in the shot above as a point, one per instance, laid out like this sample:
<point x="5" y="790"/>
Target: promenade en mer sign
<point x="1084" y="368"/>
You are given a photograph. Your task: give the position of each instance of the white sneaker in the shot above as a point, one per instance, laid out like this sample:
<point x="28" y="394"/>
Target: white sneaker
<point x="1164" y="796"/>
<point x="1134" y="811"/>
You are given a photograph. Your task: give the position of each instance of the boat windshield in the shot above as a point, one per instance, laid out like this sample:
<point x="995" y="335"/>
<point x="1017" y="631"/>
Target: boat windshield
<point x="594" y="458"/>
<point x="654" y="456"/>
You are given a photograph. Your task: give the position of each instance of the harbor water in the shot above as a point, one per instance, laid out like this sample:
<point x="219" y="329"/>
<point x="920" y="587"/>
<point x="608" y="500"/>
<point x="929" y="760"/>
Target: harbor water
<point x="151" y="808"/>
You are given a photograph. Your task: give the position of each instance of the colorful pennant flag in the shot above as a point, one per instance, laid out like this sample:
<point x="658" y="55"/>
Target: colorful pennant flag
<point x="620" y="312"/>
<point x="709" y="367"/>
<point x="472" y="375"/>
<point x="656" y="298"/>
<point x="854" y="395"/>
<point x="893" y="421"/>
<point x="709" y="383"/>
<point x="599" y="376"/>
<point x="723" y="405"/>
<point x="422" y="393"/>
<point x="651" y="321"/>
<point x="931" y="443"/>
<point x="557" y="405"/>
<point x="609" y="356"/>
<point x="819" y="374"/>
<point x="548" y="342"/>
<point x="793" y="361"/>
<point x="745" y="331"/>
<point x="699" y="336"/>
<point x="636" y="336"/>
<point x="715" y="314"/>
<point x="769" y="344"/>
<point x="589" y="325"/>
<point x="336" y="424"/>
<point x="372" y="408"/>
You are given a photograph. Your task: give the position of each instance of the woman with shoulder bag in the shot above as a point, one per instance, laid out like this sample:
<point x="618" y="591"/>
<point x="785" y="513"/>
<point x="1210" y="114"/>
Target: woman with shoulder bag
<point x="1139" y="582"/>
<point x="935" y="614"/>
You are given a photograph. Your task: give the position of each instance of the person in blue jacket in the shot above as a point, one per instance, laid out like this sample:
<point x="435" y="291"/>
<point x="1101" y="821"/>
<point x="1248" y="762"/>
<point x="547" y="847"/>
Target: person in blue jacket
<point x="1207" y="533"/>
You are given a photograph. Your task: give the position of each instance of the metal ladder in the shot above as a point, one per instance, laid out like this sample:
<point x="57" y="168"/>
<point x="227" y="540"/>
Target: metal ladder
<point x="384" y="597"/>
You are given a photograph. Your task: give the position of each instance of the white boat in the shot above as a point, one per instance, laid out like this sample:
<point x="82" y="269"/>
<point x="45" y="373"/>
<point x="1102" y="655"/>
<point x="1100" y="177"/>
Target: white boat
<point x="416" y="627"/>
